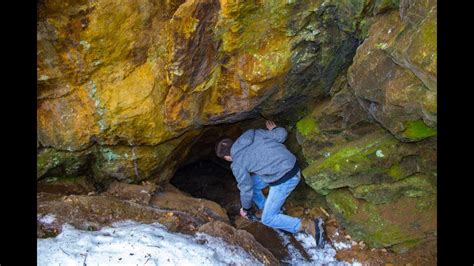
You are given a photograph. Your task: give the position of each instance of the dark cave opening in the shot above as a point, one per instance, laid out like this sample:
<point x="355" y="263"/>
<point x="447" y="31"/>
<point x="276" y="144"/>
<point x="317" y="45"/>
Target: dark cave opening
<point x="203" y="175"/>
<point x="209" y="180"/>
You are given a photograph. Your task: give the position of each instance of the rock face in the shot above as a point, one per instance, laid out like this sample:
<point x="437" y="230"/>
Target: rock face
<point x="371" y="146"/>
<point x="394" y="75"/>
<point x="118" y="82"/>
<point x="126" y="88"/>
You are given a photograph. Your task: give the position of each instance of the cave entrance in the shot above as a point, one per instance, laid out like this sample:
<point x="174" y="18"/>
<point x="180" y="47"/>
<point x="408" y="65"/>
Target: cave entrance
<point x="204" y="175"/>
<point x="208" y="180"/>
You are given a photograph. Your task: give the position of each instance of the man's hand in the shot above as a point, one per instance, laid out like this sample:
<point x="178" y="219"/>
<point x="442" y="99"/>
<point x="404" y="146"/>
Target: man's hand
<point x="243" y="213"/>
<point x="270" y="124"/>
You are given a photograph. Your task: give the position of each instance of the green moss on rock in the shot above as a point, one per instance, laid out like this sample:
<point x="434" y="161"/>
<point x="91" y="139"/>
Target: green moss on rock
<point x="397" y="172"/>
<point x="418" y="130"/>
<point x="359" y="162"/>
<point x="306" y="125"/>
<point x="343" y="203"/>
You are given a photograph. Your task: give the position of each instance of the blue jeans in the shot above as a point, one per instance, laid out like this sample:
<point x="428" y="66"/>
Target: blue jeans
<point x="271" y="206"/>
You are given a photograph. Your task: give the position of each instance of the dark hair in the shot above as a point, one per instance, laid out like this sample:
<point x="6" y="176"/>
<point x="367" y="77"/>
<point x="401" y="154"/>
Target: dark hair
<point x="223" y="147"/>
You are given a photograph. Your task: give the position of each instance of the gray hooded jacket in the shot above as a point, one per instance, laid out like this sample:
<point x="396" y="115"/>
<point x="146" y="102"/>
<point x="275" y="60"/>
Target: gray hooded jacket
<point x="263" y="153"/>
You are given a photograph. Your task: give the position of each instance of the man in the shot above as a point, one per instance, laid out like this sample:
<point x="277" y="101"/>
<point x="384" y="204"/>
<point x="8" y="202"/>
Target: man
<point x="260" y="159"/>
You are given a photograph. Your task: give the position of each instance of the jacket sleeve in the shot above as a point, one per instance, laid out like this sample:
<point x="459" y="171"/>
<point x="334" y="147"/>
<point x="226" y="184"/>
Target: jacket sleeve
<point x="244" y="182"/>
<point x="279" y="134"/>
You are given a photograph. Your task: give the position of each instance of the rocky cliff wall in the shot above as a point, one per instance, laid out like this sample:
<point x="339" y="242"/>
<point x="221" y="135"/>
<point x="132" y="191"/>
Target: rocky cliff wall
<point x="125" y="88"/>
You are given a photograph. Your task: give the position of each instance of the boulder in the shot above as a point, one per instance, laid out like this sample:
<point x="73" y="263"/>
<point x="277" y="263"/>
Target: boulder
<point x="373" y="159"/>
<point x="393" y="75"/>
<point x="333" y="121"/>
<point x="94" y="212"/>
<point x="265" y="235"/>
<point x="239" y="238"/>
<point x="403" y="222"/>
<point x="413" y="186"/>
<point x="172" y="199"/>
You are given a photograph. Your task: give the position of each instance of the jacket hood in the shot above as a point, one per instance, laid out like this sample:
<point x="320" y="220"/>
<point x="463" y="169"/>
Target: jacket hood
<point x="242" y="142"/>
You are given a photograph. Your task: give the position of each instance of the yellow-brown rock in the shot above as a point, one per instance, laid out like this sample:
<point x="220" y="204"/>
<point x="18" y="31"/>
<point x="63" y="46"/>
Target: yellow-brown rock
<point x="68" y="122"/>
<point x="120" y="75"/>
<point x="394" y="75"/>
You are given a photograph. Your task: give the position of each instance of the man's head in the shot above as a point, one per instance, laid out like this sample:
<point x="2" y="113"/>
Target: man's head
<point x="223" y="149"/>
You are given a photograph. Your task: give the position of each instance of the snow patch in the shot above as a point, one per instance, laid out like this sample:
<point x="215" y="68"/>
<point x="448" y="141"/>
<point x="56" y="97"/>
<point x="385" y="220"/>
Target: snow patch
<point x="47" y="219"/>
<point x="133" y="243"/>
<point x="324" y="256"/>
<point x="379" y="153"/>
<point x="342" y="245"/>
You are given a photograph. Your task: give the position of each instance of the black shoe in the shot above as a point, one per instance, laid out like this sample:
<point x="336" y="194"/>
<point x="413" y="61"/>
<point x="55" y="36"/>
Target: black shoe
<point x="320" y="233"/>
<point x="252" y="216"/>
